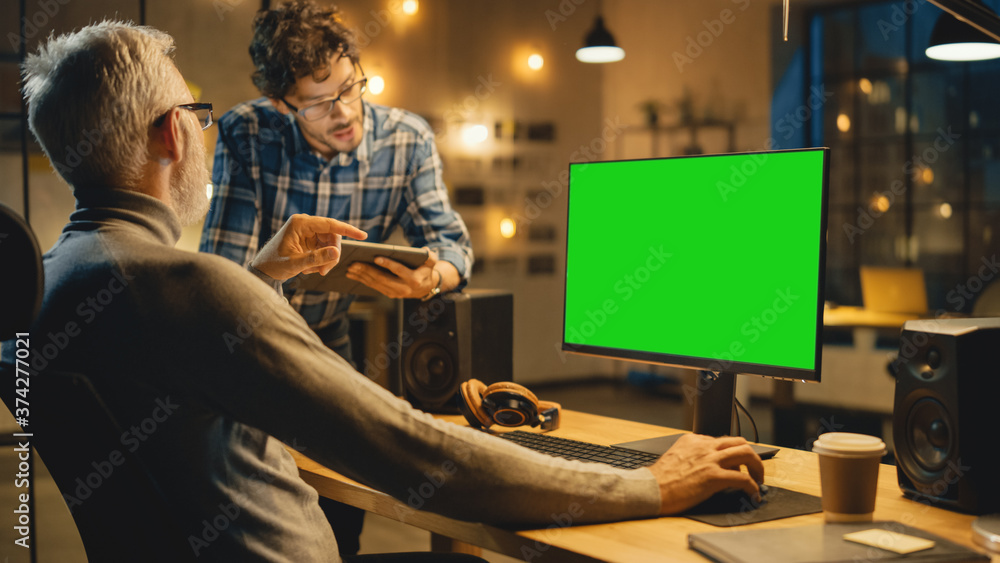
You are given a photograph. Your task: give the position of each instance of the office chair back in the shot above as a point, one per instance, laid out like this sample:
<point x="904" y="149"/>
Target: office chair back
<point x="120" y="514"/>
<point x="119" y="511"/>
<point x="23" y="279"/>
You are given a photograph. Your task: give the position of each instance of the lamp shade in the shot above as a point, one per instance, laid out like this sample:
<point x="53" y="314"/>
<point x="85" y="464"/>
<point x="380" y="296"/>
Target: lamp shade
<point x="955" y="40"/>
<point x="599" y="46"/>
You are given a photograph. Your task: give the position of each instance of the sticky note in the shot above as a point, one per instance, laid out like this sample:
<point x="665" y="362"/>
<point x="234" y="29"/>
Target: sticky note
<point x="891" y="541"/>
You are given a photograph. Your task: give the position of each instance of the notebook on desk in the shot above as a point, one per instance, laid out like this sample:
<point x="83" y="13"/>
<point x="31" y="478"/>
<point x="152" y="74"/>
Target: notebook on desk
<point x="823" y="543"/>
<point x="893" y="290"/>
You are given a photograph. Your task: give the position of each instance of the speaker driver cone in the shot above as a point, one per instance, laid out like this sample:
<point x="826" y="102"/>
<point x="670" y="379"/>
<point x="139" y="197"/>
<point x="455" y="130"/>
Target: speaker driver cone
<point x="929" y="435"/>
<point x="431" y="375"/>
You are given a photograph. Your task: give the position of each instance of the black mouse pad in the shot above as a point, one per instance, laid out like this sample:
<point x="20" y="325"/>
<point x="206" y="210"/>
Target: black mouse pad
<point x="737" y="510"/>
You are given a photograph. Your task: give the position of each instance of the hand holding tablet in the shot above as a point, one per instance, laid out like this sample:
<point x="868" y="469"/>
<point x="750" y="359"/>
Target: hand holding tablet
<point x="365" y="252"/>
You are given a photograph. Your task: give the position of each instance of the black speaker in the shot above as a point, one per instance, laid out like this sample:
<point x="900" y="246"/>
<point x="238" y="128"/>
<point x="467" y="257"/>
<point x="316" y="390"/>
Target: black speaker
<point x="944" y="426"/>
<point x="451" y="339"/>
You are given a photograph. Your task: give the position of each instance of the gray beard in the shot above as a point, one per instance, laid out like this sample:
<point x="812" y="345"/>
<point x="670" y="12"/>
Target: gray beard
<point x="188" y="187"/>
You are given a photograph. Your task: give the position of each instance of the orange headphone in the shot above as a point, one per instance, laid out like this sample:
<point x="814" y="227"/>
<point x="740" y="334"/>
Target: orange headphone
<point x="506" y="404"/>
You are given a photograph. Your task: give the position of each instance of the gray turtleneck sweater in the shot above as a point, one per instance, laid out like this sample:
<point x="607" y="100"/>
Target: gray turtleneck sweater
<point x="232" y="371"/>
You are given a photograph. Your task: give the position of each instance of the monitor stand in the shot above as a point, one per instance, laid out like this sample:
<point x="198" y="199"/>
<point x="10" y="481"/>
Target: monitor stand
<point x="714" y="400"/>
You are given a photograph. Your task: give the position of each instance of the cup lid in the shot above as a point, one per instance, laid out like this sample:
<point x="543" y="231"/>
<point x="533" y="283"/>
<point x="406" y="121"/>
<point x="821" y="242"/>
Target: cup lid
<point x="986" y="532"/>
<point x="848" y="444"/>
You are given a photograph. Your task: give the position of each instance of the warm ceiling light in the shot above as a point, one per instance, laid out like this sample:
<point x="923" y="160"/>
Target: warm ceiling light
<point x="410" y="7"/>
<point x="843" y="123"/>
<point x="954" y="40"/>
<point x="866" y="86"/>
<point x="376" y="84"/>
<point x="535" y="61"/>
<point x="507" y="227"/>
<point x="927" y="176"/>
<point x="475" y="134"/>
<point x="882" y="204"/>
<point x="599" y="46"/>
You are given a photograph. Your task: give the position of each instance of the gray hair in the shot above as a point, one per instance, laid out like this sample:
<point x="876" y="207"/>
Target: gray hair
<point x="92" y="97"/>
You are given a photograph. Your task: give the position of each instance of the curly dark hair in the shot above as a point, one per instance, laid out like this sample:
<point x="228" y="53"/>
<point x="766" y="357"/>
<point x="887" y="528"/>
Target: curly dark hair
<point x="297" y="39"/>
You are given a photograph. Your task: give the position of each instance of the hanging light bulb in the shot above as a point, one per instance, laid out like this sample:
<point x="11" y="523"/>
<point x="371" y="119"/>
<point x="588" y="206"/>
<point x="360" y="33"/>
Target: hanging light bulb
<point x="599" y="46"/>
<point x="954" y="40"/>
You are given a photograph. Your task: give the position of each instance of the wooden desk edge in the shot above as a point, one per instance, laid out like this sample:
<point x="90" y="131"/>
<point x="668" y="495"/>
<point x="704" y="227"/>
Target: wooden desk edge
<point x="798" y="470"/>
<point x="333" y="485"/>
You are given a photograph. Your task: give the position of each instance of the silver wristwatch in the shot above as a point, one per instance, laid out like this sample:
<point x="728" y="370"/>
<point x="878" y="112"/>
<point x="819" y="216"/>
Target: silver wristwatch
<point x="435" y="291"/>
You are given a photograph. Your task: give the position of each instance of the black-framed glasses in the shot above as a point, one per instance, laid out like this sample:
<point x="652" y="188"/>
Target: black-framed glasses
<point x="202" y="110"/>
<point x="322" y="108"/>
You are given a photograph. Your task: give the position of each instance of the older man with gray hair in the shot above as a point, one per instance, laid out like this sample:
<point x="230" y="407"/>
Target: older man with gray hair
<point x="234" y="401"/>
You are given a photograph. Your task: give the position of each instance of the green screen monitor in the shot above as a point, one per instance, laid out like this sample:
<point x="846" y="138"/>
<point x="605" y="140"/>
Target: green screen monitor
<point x="711" y="262"/>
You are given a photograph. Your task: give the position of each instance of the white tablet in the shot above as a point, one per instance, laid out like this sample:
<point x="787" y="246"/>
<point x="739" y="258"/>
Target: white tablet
<point x="355" y="251"/>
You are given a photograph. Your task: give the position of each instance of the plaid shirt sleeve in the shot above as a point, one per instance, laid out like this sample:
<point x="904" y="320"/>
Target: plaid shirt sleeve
<point x="233" y="224"/>
<point x="429" y="220"/>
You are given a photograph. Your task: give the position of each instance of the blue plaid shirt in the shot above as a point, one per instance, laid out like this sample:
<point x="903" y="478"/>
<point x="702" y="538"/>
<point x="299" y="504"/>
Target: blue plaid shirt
<point x="264" y="172"/>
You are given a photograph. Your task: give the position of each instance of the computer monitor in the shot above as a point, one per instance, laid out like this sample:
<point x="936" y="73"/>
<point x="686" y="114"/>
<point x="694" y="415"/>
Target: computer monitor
<point x="711" y="262"/>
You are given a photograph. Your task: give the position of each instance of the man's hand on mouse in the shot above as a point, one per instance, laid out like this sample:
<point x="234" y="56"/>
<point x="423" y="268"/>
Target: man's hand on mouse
<point x="305" y="244"/>
<point x="696" y="467"/>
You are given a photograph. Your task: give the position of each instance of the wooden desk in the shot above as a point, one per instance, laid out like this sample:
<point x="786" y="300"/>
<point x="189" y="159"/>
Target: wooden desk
<point x="845" y="316"/>
<point x="652" y="540"/>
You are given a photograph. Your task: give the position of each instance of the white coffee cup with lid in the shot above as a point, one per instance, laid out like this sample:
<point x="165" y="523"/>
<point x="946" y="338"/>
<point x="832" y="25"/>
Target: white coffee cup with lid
<point x="848" y="469"/>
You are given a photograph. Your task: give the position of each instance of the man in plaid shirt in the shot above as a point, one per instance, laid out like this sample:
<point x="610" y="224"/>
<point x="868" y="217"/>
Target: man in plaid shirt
<point x="313" y="145"/>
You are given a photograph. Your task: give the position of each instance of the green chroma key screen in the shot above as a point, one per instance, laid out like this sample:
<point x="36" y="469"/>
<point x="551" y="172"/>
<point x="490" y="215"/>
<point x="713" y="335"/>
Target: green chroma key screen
<point x="713" y="262"/>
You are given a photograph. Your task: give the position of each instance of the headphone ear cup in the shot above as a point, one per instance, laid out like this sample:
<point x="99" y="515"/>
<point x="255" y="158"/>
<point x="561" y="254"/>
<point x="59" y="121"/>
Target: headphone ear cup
<point x="471" y="405"/>
<point x="548" y="415"/>
<point x="510" y="404"/>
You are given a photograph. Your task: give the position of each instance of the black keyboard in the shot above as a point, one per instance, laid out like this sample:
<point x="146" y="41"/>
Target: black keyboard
<point x="582" y="451"/>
